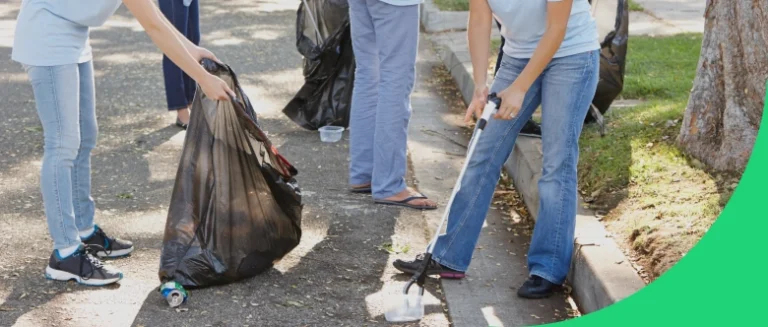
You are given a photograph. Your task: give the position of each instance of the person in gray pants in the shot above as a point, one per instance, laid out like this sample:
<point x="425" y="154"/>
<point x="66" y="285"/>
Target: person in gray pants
<point x="385" y="37"/>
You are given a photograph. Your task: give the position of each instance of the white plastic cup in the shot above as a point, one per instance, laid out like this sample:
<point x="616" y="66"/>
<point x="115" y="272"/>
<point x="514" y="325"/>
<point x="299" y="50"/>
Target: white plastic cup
<point x="331" y="134"/>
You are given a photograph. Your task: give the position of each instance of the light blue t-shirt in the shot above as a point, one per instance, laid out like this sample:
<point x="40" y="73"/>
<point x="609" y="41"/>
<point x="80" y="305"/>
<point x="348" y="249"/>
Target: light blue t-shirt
<point x="55" y="32"/>
<point x="523" y="23"/>
<point x="402" y="2"/>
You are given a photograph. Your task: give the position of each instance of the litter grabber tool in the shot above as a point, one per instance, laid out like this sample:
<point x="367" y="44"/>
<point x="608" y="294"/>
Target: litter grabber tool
<point x="411" y="307"/>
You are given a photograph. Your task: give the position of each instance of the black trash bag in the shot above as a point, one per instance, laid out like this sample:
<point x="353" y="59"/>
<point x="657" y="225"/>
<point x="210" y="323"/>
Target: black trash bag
<point x="236" y="207"/>
<point x="613" y="52"/>
<point x="323" y="39"/>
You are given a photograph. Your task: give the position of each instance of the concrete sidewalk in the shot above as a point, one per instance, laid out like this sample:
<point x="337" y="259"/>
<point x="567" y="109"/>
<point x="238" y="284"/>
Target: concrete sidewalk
<point x="487" y="297"/>
<point x="668" y="17"/>
<point x="600" y="275"/>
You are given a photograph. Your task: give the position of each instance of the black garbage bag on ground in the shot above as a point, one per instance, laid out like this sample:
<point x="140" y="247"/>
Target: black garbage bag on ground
<point x="613" y="52"/>
<point x="323" y="39"/>
<point x="236" y="207"/>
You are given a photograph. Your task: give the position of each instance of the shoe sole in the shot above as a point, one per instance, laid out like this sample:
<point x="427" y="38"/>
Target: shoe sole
<point x="446" y="275"/>
<point x="535" y="296"/>
<point x="64" y="276"/>
<point x="115" y="253"/>
<point x="538" y="296"/>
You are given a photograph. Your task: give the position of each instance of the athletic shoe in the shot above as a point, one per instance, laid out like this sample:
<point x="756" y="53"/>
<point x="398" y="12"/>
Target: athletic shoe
<point x="434" y="268"/>
<point x="112" y="247"/>
<point x="82" y="267"/>
<point x="537" y="288"/>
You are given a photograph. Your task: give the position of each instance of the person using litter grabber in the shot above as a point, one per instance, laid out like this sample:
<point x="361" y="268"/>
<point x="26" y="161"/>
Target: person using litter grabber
<point x="551" y="58"/>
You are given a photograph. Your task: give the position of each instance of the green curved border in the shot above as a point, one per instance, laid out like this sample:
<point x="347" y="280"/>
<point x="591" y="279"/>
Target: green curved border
<point x="720" y="282"/>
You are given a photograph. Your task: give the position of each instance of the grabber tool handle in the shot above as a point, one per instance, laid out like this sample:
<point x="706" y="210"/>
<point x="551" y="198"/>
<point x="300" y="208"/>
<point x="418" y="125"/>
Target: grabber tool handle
<point x="490" y="108"/>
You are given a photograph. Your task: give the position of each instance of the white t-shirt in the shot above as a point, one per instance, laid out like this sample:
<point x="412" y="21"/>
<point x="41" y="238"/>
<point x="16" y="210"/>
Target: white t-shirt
<point x="523" y="23"/>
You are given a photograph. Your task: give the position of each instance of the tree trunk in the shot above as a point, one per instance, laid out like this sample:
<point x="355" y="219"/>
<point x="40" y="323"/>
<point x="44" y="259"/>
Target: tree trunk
<point x="726" y="104"/>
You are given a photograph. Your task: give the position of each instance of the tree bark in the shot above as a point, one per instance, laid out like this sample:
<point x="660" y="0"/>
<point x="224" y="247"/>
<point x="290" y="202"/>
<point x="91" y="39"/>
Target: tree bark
<point x="726" y="104"/>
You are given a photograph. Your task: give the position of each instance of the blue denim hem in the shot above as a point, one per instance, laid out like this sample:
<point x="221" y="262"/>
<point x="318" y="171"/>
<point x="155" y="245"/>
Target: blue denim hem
<point x="177" y="108"/>
<point x="76" y="241"/>
<point x="383" y="196"/>
<point x="546" y="276"/>
<point x="448" y="264"/>
<point x="359" y="181"/>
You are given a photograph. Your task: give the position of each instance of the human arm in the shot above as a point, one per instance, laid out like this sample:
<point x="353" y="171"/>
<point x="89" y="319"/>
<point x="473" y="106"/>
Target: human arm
<point x="558" y="13"/>
<point x="479" y="41"/>
<point x="167" y="39"/>
<point x="196" y="51"/>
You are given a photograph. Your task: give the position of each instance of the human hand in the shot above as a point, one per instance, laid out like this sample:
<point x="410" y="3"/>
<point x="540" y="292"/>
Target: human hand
<point x="479" y="99"/>
<point x="200" y="53"/>
<point x="215" y="88"/>
<point x="511" y="102"/>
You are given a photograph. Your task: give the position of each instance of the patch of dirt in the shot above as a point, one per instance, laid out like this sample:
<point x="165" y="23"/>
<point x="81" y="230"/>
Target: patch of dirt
<point x="657" y="222"/>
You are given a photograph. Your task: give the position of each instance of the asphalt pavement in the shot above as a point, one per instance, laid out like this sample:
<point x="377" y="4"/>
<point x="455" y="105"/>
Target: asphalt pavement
<point x="340" y="275"/>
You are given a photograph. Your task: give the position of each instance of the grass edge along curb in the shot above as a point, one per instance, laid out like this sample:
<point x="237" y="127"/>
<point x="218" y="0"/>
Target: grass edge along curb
<point x="698" y="290"/>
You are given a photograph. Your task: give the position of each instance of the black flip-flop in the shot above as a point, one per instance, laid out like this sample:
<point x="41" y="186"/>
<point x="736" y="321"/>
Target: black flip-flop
<point x="180" y="124"/>
<point x="405" y="203"/>
<point x="360" y="190"/>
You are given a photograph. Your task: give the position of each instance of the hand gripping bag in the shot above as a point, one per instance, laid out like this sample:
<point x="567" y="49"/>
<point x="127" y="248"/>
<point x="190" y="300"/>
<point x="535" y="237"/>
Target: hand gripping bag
<point x="236" y="206"/>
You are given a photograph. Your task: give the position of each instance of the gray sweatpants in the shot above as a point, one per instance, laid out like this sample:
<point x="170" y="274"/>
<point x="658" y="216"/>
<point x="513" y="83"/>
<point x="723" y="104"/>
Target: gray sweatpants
<point x="385" y="40"/>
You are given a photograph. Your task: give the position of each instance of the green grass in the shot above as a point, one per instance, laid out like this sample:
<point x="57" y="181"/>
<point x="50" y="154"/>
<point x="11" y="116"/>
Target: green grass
<point x="634" y="6"/>
<point x="660" y="70"/>
<point x="661" y="67"/>
<point x="452" y="5"/>
<point x="660" y="201"/>
<point x="623" y="155"/>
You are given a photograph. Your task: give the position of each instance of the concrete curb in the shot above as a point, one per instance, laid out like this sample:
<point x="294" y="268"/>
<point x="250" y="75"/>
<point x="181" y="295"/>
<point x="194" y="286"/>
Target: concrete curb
<point x="600" y="273"/>
<point x="434" y="20"/>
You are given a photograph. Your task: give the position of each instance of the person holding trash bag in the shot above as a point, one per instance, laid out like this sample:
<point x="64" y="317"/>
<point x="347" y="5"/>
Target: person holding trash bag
<point x="385" y="37"/>
<point x="51" y="41"/>
<point x="551" y="58"/>
<point x="179" y="87"/>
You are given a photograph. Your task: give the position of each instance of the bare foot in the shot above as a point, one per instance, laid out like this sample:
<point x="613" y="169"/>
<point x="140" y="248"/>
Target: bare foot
<point x="410" y="192"/>
<point x="183" y="115"/>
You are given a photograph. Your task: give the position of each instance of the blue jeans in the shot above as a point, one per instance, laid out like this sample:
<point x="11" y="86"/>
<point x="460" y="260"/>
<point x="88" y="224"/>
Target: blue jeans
<point x="64" y="96"/>
<point x="564" y="90"/>
<point x="180" y="88"/>
<point x="385" y="41"/>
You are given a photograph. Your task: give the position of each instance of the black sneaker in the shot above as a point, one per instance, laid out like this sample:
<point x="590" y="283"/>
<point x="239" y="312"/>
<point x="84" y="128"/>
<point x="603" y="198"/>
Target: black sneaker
<point x="434" y="268"/>
<point x="82" y="267"/>
<point x="537" y="288"/>
<point x="111" y="247"/>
